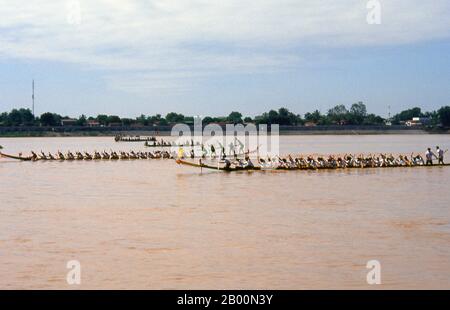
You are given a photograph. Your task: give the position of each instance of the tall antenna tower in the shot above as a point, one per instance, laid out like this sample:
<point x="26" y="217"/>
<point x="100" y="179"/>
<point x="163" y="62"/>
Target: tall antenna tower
<point x="32" y="97"/>
<point x="389" y="121"/>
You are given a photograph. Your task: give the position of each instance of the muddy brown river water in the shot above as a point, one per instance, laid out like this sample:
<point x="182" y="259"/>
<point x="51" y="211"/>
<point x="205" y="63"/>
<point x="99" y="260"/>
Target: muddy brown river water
<point x="156" y="225"/>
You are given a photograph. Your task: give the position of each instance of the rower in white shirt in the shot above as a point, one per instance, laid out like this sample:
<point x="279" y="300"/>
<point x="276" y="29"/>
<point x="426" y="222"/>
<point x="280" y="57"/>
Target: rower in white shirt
<point x="440" y="155"/>
<point x="429" y="157"/>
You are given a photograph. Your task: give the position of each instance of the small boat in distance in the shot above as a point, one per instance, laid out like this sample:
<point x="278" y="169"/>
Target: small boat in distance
<point x="165" y="144"/>
<point x="120" y="138"/>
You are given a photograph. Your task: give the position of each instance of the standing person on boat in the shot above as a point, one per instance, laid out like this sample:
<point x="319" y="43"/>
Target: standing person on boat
<point x="241" y="146"/>
<point x="204" y="151"/>
<point x="180" y="152"/>
<point x="232" y="148"/>
<point x="440" y="155"/>
<point x="213" y="152"/>
<point x="223" y="155"/>
<point x="429" y="157"/>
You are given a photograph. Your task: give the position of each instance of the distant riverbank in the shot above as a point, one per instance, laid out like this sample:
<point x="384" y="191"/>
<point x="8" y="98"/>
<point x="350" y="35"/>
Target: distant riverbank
<point x="80" y="131"/>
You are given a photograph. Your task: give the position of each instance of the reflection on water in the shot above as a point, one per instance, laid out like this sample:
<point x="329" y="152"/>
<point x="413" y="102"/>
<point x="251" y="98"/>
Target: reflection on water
<point x="153" y="224"/>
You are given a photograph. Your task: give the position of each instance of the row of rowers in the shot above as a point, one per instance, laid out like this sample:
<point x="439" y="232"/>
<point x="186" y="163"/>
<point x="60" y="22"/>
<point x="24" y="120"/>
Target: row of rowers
<point x="100" y="155"/>
<point x="346" y="161"/>
<point x="381" y="160"/>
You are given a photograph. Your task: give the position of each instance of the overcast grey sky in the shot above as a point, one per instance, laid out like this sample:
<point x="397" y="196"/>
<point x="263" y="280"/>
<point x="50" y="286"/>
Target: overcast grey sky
<point x="202" y="57"/>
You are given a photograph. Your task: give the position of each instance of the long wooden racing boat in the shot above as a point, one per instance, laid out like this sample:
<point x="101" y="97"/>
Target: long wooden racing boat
<point x="259" y="168"/>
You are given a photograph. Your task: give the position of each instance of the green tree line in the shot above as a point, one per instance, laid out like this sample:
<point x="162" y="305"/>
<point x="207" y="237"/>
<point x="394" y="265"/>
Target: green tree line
<point x="356" y="114"/>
